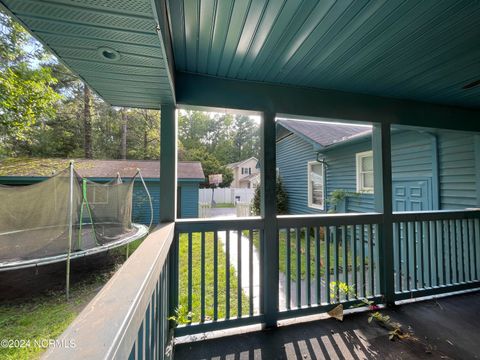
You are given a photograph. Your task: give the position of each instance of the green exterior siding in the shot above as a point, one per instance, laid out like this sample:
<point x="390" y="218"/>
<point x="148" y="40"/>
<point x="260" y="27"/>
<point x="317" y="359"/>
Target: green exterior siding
<point x="457" y="171"/>
<point x="451" y="172"/>
<point x="341" y="175"/>
<point x="293" y="154"/>
<point x="188" y="200"/>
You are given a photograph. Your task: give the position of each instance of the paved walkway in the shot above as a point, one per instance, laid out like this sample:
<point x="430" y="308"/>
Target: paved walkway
<point x="244" y="259"/>
<point x="223" y="212"/>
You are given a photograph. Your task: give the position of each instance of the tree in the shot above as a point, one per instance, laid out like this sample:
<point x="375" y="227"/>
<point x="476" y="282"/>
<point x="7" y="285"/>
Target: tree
<point x="281" y="195"/>
<point x="246" y="137"/>
<point x="87" y="122"/>
<point x="26" y="89"/>
<point x="210" y="166"/>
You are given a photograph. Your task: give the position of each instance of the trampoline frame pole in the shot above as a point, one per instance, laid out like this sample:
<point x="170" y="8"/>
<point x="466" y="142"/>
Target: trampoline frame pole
<point x="139" y="173"/>
<point x="70" y="232"/>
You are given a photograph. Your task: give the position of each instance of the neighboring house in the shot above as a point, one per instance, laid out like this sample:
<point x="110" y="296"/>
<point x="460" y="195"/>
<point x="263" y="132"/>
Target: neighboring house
<point x="431" y="170"/>
<point x="190" y="175"/>
<point x="245" y="173"/>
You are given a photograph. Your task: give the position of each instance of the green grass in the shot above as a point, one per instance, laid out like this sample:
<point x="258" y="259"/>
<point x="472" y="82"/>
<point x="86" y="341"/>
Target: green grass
<point x="209" y="277"/>
<point x="47" y="315"/>
<point x="303" y="247"/>
<point x="44" y="317"/>
<point x="224" y="205"/>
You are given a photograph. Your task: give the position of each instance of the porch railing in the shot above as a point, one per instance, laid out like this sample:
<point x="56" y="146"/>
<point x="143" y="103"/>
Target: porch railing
<point x="208" y="275"/>
<point x="435" y="252"/>
<point x="320" y="253"/>
<point x="219" y="279"/>
<point x="128" y="319"/>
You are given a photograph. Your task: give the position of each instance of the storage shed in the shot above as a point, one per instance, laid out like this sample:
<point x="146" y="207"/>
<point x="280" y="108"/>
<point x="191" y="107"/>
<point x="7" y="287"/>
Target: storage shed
<point x="24" y="171"/>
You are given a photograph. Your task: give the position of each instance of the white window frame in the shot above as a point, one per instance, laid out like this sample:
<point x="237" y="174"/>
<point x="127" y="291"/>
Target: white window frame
<point x="309" y="185"/>
<point x="359" y="157"/>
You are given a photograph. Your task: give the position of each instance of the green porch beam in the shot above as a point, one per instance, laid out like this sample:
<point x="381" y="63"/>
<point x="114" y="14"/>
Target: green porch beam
<point x="476" y="139"/>
<point x="160" y="13"/>
<point x="269" y="257"/>
<point x="382" y="178"/>
<point x="212" y="92"/>
<point x="168" y="163"/>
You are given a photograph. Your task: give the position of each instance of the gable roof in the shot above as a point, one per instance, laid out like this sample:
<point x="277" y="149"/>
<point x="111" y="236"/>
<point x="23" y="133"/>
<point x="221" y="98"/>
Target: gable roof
<point x="35" y="167"/>
<point x="238" y="163"/>
<point x="323" y="133"/>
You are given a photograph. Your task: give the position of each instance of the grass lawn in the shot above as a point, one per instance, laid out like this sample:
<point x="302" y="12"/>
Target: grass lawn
<point x="303" y="247"/>
<point x="209" y="277"/>
<point x="224" y="205"/>
<point x="47" y="315"/>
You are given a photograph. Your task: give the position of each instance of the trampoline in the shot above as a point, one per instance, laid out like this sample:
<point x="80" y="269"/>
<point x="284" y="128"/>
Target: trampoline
<point x="65" y="217"/>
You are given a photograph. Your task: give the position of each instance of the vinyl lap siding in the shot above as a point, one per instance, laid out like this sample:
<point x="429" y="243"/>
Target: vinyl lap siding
<point x="342" y="175"/>
<point x="293" y="155"/>
<point x="457" y="170"/>
<point x="141" y="205"/>
<point x="189" y="200"/>
<point x="411" y="155"/>
<point x="412" y="158"/>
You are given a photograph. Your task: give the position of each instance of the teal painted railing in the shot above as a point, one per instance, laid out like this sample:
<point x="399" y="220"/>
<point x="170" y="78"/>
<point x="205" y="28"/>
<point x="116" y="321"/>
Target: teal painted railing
<point x="219" y="279"/>
<point x="318" y="253"/>
<point x="128" y="319"/>
<point x="209" y="275"/>
<point x="436" y="252"/>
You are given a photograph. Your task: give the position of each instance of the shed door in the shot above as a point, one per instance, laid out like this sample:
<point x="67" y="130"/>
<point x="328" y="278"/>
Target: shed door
<point x="412" y="195"/>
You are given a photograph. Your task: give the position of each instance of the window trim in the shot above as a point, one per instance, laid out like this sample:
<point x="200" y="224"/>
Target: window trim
<point x="309" y="186"/>
<point x="359" y="156"/>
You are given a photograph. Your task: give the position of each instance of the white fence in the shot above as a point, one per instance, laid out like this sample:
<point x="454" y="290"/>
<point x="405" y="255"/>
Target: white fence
<point x="226" y="195"/>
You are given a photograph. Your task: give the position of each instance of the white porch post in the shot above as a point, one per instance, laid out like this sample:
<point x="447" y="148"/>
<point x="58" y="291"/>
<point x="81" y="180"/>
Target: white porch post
<point x="168" y="163"/>
<point x="269" y="257"/>
<point x="382" y="165"/>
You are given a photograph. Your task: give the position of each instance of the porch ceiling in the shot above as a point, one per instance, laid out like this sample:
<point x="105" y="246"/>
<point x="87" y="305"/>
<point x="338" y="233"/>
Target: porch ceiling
<point x="418" y="50"/>
<point x="415" y="50"/>
<point x="76" y="31"/>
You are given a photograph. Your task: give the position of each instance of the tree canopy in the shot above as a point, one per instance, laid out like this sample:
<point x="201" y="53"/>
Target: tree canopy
<point x="47" y="111"/>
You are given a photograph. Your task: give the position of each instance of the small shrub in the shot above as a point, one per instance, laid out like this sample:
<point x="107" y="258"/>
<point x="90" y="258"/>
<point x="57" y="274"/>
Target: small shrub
<point x="281" y="195"/>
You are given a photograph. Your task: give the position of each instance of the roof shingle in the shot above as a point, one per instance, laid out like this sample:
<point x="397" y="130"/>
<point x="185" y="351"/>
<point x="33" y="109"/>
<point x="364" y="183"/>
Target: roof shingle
<point x="96" y="168"/>
<point x="323" y="133"/>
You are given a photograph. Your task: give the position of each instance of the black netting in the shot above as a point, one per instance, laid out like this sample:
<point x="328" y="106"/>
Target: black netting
<point x="111" y="208"/>
<point x="35" y="219"/>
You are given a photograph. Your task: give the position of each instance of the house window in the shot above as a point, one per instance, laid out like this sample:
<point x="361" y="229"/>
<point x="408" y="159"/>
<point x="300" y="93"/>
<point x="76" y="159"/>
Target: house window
<point x="365" y="172"/>
<point x="246" y="171"/>
<point x="316" y="196"/>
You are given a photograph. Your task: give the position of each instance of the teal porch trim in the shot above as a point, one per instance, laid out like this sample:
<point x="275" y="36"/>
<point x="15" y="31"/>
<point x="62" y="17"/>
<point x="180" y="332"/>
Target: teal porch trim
<point x="168" y="163"/>
<point x="476" y="140"/>
<point x="269" y="262"/>
<point x="382" y="163"/>
<point x="205" y="92"/>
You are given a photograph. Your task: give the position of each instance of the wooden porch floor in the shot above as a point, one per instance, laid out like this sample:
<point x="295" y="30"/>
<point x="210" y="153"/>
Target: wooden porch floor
<point x="447" y="328"/>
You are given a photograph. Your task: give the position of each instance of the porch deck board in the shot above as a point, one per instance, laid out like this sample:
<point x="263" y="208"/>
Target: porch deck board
<point x="444" y="328"/>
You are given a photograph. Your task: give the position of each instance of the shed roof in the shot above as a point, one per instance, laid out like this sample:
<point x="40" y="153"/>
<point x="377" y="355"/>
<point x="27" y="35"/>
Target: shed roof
<point x="323" y="133"/>
<point x="35" y="167"/>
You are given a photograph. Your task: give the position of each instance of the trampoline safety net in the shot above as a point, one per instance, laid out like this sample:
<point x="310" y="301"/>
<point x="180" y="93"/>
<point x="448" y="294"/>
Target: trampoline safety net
<point x="35" y="219"/>
<point x="109" y="207"/>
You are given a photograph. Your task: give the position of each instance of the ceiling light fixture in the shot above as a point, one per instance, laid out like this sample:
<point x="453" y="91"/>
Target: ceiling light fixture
<point x="108" y="53"/>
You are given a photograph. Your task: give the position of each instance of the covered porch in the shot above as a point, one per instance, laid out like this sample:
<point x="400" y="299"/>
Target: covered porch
<point x="385" y="64"/>
<point x="445" y="328"/>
